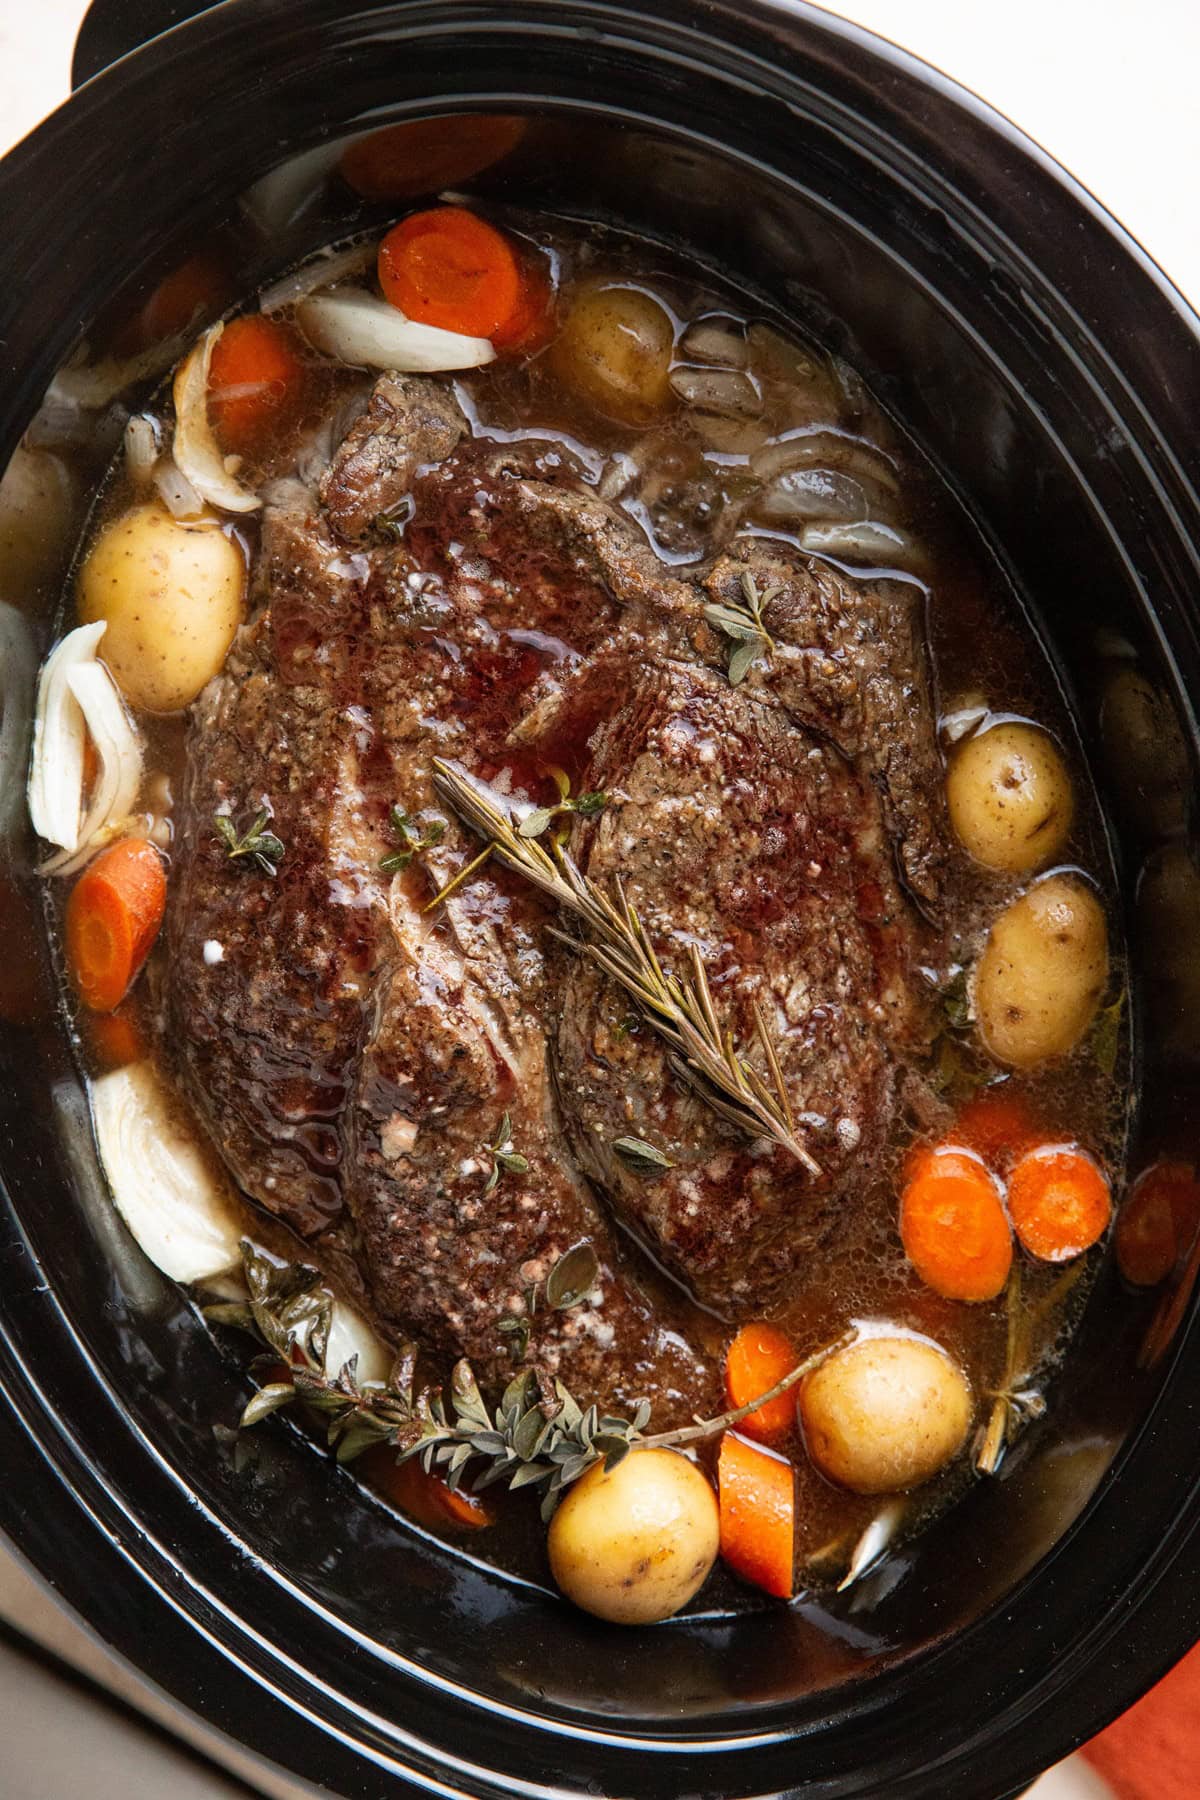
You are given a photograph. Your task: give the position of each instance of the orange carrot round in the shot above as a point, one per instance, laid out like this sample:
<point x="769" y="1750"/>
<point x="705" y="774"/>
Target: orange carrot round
<point x="426" y="1498"/>
<point x="1157" y="1222"/>
<point x="532" y="323"/>
<point x="953" y="1226"/>
<point x="757" y="1492"/>
<point x="112" y="919"/>
<point x="117" y="1038"/>
<point x="254" y="379"/>
<point x="402" y="162"/>
<point x="448" y="268"/>
<point x="998" y="1125"/>
<point x="1060" y="1203"/>
<point x="758" y="1357"/>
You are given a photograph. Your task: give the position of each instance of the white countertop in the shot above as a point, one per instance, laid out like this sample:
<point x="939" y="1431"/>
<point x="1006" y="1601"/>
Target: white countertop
<point x="1108" y="87"/>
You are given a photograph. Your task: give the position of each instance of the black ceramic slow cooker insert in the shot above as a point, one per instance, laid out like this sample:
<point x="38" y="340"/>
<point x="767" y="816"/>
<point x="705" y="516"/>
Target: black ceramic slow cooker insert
<point x="1053" y="374"/>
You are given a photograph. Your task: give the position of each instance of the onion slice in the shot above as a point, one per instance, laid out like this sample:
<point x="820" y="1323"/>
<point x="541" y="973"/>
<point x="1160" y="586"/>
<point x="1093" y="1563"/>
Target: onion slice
<point x="319" y="272"/>
<point x="119" y="776"/>
<point x="351" y="1336"/>
<point x="56" y="769"/>
<point x="197" y="453"/>
<point x="179" y="1211"/>
<point x="368" y="333"/>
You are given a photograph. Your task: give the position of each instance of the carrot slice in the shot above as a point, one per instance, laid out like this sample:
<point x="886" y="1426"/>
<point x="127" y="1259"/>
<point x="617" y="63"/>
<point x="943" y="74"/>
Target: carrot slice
<point x="758" y="1357"/>
<point x="758" y="1514"/>
<point x="254" y="379"/>
<point x="1157" y="1222"/>
<point x="532" y="324"/>
<point x="953" y="1226"/>
<point x="998" y="1125"/>
<point x="1060" y="1203"/>
<point x="112" y="919"/>
<point x="427" y="1499"/>
<point x="401" y="162"/>
<point x="117" y="1038"/>
<point x="448" y="268"/>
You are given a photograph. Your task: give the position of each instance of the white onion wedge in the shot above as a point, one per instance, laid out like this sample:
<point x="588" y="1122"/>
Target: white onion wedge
<point x="181" y="1214"/>
<point x="350" y="1335"/>
<point x="56" y="769"/>
<point x="141" y="448"/>
<point x="319" y="272"/>
<point x="119" y="775"/>
<point x="94" y="386"/>
<point x="368" y="333"/>
<point x="177" y="495"/>
<point x="197" y="453"/>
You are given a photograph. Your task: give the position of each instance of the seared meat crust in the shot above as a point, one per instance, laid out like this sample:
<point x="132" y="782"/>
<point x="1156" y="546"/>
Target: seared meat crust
<point x="353" y="1052"/>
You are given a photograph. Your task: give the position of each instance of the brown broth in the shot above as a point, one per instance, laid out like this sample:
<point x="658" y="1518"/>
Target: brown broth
<point x="683" y="483"/>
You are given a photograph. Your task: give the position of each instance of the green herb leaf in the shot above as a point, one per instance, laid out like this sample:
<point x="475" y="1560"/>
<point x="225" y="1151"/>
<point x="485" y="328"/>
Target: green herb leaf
<point x="956" y="1001"/>
<point x="256" y="846"/>
<point x="1106" y="1035"/>
<point x="573" y="1277"/>
<point x="643" y="1158"/>
<point x="534" y="823"/>
<point x="743" y="659"/>
<point x="414" y="837"/>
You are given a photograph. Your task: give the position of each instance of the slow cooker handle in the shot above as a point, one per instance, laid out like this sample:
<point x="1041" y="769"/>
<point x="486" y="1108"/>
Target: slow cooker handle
<point x="112" y="28"/>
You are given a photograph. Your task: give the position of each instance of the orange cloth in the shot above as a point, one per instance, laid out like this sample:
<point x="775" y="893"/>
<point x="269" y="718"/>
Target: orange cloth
<point x="1152" y="1752"/>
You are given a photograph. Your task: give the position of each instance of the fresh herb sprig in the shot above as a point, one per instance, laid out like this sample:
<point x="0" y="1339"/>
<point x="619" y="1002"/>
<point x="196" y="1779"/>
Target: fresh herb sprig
<point x="538" y="1436"/>
<point x="680" y="1009"/>
<point x="742" y="622"/>
<point x="260" y="847"/>
<point x="1018" y="1400"/>
<point x="413" y="838"/>
<point x="505" y="1159"/>
<point x="568" y="1285"/>
<point x="584" y="806"/>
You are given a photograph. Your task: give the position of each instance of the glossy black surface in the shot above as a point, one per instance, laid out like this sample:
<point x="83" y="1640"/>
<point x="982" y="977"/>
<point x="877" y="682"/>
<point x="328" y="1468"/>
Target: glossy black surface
<point x="1054" y="375"/>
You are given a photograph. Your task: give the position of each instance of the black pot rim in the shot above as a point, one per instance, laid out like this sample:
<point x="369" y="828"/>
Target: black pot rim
<point x="101" y="1541"/>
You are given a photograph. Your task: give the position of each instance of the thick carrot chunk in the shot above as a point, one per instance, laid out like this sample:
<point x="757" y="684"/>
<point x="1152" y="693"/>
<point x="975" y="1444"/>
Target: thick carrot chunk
<point x="758" y="1357"/>
<point x="758" y="1515"/>
<point x="112" y="919"/>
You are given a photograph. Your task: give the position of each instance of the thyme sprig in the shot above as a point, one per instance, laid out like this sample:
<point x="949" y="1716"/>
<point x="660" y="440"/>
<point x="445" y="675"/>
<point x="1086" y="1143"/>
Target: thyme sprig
<point x="413" y="837"/>
<point x="259" y="846"/>
<point x="1019" y="1400"/>
<point x="584" y="806"/>
<point x="505" y="1159"/>
<point x="568" y="1285"/>
<point x="537" y="1436"/>
<point x="680" y="1009"/>
<point x="742" y="622"/>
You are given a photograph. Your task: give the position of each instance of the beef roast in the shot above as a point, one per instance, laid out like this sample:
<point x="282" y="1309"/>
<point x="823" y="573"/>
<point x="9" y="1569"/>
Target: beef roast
<point x="354" y="1048"/>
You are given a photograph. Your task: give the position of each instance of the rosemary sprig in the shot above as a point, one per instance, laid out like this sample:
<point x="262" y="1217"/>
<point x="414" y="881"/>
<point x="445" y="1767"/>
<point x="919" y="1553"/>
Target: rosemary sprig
<point x="537" y="1436"/>
<point x="413" y="836"/>
<point x="742" y="622"/>
<point x="505" y="1160"/>
<point x="680" y="1009"/>
<point x="1018" y="1400"/>
<point x="258" y="845"/>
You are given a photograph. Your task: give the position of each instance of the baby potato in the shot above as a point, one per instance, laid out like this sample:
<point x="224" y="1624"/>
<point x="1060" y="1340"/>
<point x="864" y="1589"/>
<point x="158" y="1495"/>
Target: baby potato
<point x="170" y="591"/>
<point x="885" y="1414"/>
<point x="1043" y="973"/>
<point x="635" y="1544"/>
<point x="614" y="349"/>
<point x="1010" y="797"/>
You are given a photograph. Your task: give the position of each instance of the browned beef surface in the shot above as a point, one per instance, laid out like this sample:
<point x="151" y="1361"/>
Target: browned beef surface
<point x="353" y="1052"/>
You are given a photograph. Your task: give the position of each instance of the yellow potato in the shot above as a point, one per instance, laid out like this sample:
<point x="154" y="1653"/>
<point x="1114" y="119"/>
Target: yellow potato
<point x="1043" y="973"/>
<point x="1146" y="753"/>
<point x="614" y="349"/>
<point x="885" y="1414"/>
<point x="171" y="593"/>
<point x="37" y="500"/>
<point x="635" y="1545"/>
<point x="1010" y="797"/>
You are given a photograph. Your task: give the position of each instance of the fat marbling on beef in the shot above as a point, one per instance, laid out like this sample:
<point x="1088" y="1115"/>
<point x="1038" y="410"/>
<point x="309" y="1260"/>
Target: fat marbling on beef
<point x="353" y="1052"/>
